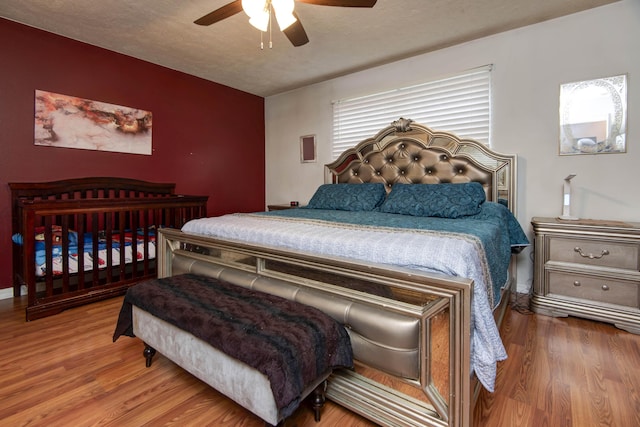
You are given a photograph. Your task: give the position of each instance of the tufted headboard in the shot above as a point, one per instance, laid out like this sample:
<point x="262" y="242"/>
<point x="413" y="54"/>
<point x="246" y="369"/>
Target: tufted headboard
<point x="410" y="153"/>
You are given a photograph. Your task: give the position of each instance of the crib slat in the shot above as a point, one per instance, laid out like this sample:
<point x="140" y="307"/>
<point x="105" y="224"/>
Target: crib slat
<point x="133" y="226"/>
<point x="81" y="231"/>
<point x="48" y="248"/>
<point x="108" y="227"/>
<point x="145" y="240"/>
<point x="121" y="234"/>
<point x="65" y="253"/>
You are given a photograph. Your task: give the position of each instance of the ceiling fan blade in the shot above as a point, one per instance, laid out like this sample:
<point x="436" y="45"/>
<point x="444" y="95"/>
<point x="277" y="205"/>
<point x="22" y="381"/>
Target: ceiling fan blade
<point x="341" y="3"/>
<point x="221" y="13"/>
<point x="296" y="33"/>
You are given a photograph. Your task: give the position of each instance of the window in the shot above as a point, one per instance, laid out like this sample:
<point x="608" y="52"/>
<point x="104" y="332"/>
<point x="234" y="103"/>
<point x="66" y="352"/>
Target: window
<point x="460" y="104"/>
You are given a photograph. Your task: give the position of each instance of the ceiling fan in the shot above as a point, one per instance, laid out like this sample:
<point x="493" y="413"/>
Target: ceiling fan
<point x="260" y="11"/>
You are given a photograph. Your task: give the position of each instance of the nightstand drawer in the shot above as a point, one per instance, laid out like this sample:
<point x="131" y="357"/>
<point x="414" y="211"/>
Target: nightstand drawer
<point x="597" y="289"/>
<point x="594" y="252"/>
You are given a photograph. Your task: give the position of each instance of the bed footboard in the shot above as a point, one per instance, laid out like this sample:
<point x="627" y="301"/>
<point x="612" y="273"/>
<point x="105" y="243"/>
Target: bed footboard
<point x="410" y="331"/>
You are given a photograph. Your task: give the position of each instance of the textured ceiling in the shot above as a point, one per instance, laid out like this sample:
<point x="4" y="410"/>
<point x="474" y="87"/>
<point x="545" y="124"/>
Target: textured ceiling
<point x="342" y="40"/>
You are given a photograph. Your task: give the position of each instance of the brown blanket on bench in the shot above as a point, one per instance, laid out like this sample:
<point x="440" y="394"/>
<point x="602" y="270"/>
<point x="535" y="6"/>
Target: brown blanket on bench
<point x="291" y="343"/>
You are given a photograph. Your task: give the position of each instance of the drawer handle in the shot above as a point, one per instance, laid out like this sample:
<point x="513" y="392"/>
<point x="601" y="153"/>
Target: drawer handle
<point x="605" y="287"/>
<point x="576" y="283"/>
<point x="591" y="256"/>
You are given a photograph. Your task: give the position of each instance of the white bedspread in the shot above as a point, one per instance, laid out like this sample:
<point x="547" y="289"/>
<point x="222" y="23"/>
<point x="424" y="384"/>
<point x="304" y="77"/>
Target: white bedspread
<point x="451" y="254"/>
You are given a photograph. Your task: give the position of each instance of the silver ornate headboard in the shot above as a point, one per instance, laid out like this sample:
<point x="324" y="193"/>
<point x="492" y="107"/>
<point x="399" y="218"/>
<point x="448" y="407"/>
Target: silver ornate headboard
<point x="410" y="153"/>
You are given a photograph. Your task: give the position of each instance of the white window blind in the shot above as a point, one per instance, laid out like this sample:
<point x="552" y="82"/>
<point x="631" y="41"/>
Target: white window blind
<point x="460" y="104"/>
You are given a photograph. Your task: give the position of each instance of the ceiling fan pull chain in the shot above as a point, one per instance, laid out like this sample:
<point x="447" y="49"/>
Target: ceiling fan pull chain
<point x="270" y="24"/>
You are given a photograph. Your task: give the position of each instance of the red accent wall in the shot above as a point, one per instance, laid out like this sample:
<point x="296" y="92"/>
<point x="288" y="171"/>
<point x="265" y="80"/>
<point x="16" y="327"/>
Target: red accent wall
<point x="201" y="130"/>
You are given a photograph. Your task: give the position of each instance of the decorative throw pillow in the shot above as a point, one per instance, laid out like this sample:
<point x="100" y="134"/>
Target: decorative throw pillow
<point x="437" y="200"/>
<point x="348" y="197"/>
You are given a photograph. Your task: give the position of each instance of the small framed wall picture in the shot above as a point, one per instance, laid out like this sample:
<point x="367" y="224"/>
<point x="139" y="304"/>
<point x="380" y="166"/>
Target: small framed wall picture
<point x="308" y="149"/>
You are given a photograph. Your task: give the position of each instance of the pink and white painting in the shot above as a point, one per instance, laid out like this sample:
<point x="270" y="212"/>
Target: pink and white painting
<point x="72" y="122"/>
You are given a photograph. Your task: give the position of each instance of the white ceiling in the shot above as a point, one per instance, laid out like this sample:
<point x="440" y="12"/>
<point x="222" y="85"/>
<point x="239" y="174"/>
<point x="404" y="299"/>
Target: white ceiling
<point x="342" y="40"/>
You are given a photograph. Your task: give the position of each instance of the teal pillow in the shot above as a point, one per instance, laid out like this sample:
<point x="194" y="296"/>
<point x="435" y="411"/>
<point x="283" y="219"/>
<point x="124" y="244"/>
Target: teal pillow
<point x="348" y="197"/>
<point x="437" y="200"/>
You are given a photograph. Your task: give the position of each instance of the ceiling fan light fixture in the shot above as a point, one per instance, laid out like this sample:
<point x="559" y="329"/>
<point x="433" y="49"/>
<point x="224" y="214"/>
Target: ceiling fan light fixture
<point x="261" y="21"/>
<point x="284" y="13"/>
<point x="255" y="7"/>
<point x="259" y="12"/>
<point x="285" y="20"/>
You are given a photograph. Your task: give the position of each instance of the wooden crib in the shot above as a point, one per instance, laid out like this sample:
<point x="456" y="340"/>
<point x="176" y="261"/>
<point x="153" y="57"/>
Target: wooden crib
<point x="81" y="240"/>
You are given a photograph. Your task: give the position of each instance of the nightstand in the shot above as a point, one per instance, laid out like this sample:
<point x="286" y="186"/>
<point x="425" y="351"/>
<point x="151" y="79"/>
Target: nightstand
<point x="588" y="268"/>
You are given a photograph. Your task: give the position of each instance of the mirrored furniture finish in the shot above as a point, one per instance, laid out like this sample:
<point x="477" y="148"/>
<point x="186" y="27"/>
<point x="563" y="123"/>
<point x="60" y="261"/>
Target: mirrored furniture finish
<point x="588" y="268"/>
<point x="409" y="330"/>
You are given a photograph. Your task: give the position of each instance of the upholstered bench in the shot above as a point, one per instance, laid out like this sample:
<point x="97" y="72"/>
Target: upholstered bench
<point x="264" y="352"/>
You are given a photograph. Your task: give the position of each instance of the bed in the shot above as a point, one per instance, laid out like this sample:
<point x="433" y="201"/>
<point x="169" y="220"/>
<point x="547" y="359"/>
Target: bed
<point x="80" y="240"/>
<point x="420" y="294"/>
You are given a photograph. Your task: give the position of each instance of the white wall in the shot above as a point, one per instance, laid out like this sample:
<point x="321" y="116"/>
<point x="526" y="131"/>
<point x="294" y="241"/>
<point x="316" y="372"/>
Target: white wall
<point x="529" y="65"/>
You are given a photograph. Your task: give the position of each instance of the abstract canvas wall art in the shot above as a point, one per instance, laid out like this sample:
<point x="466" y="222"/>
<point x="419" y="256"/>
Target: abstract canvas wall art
<point x="72" y="122"/>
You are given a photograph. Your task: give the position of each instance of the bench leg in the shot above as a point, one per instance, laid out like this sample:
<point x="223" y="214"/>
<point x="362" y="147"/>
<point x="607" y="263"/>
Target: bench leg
<point x="317" y="404"/>
<point x="319" y="399"/>
<point x="148" y="354"/>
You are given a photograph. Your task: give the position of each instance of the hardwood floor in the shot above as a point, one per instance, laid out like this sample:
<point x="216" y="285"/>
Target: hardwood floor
<point x="65" y="370"/>
<point x="564" y="372"/>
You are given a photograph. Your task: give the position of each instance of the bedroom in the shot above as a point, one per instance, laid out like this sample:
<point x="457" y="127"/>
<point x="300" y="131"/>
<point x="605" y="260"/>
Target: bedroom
<point x="529" y="66"/>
